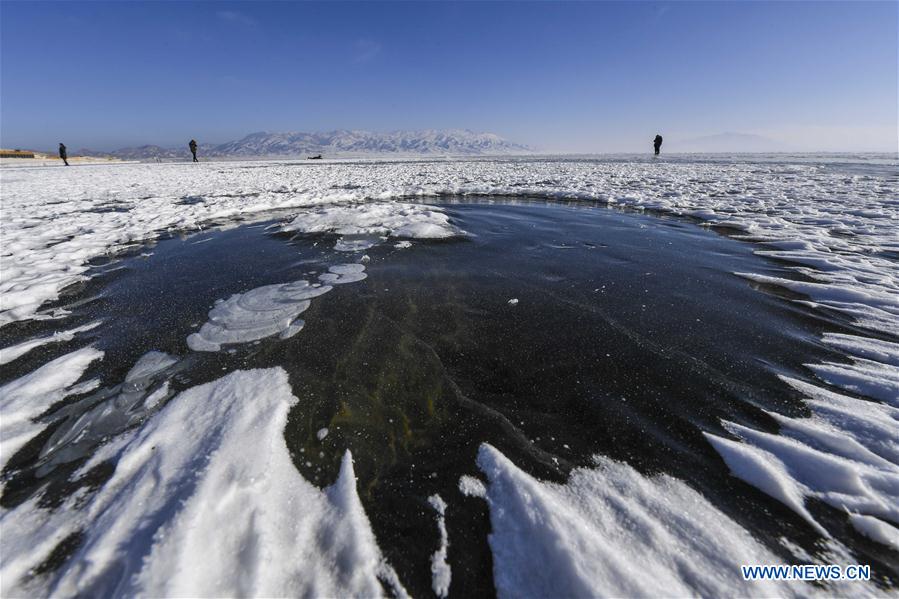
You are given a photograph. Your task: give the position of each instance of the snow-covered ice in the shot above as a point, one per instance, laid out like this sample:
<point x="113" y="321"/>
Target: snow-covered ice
<point x="392" y="219"/>
<point x="609" y="530"/>
<point x="341" y="274"/>
<point x="109" y="412"/>
<point x="800" y="206"/>
<point x="190" y="512"/>
<point x="846" y="455"/>
<point x="876" y="530"/>
<point x="13" y="352"/>
<point x="26" y="398"/>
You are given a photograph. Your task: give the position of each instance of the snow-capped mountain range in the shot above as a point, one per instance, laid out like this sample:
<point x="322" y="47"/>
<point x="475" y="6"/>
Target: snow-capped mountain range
<point x="335" y="143"/>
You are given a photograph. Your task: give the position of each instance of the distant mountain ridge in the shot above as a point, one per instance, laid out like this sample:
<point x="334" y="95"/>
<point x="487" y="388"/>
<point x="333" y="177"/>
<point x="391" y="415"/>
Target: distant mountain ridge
<point x="295" y="144"/>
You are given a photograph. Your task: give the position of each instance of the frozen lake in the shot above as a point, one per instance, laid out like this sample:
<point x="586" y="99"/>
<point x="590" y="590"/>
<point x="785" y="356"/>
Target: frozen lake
<point x="554" y="376"/>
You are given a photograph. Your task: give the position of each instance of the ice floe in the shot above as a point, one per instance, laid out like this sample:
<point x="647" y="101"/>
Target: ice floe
<point x="256" y="314"/>
<point x="343" y="273"/>
<point x="356" y="244"/>
<point x="268" y="310"/>
<point x="107" y="413"/>
<point x="190" y="512"/>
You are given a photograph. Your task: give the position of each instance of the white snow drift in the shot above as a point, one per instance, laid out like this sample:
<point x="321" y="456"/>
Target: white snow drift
<point x="190" y="512"/>
<point x="26" y="398"/>
<point x="389" y="219"/>
<point x="610" y="531"/>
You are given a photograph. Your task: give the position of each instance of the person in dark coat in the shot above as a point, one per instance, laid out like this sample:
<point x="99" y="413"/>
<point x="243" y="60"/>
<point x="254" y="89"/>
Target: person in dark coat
<point x="193" y="149"/>
<point x="657" y="143"/>
<point x="62" y="153"/>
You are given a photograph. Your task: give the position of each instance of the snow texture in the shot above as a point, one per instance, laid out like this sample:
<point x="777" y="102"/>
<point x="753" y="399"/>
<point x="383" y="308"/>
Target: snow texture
<point x="845" y="455"/>
<point x="26" y="398"/>
<point x="876" y="530"/>
<point x="56" y="220"/>
<point x="190" y="512"/>
<point x="441" y="574"/>
<point x="609" y="531"/>
<point x="13" y="352"/>
<point x="266" y="311"/>
<point x="389" y="219"/>
<point x="471" y="486"/>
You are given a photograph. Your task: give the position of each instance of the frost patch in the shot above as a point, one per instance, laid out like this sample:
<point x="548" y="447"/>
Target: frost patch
<point x="256" y="314"/>
<point x="343" y="273"/>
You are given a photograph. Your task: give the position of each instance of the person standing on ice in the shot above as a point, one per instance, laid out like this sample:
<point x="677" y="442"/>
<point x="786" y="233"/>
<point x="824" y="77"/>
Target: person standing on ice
<point x="63" y="154"/>
<point x="657" y="143"/>
<point x="193" y="149"/>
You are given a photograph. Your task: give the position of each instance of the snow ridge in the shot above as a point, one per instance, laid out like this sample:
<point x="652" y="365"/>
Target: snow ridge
<point x="190" y="512"/>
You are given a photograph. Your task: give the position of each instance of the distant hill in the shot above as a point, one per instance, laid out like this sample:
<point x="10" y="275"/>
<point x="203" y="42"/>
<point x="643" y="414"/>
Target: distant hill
<point x="346" y="143"/>
<point x="453" y="141"/>
<point x="726" y="142"/>
<point x="137" y="153"/>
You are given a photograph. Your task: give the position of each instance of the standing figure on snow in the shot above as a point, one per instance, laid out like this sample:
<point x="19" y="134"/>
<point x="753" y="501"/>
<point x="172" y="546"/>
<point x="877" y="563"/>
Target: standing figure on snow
<point x="657" y="143"/>
<point x="193" y="149"/>
<point x="62" y="153"/>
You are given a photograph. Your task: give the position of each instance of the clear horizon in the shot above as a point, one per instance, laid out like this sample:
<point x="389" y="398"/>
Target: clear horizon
<point x="560" y="77"/>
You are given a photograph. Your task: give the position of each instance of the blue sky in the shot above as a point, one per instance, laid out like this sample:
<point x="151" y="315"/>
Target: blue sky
<point x="561" y="76"/>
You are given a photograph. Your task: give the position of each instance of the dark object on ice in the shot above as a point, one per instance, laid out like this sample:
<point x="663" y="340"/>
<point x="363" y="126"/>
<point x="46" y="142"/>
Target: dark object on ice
<point x="319" y="157"/>
<point x="62" y="153"/>
<point x="193" y="149"/>
<point x="657" y="143"/>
